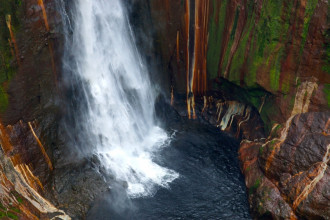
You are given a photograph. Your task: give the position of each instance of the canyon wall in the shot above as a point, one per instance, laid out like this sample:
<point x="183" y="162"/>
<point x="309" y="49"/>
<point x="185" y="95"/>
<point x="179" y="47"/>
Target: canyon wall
<point x="256" y="69"/>
<point x="30" y="48"/>
<point x="41" y="171"/>
<point x="260" y="71"/>
<point x="276" y="51"/>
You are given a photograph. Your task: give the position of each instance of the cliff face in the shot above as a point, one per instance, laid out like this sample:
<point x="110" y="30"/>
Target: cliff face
<point x="238" y="61"/>
<point x="256" y="69"/>
<point x="267" y="48"/>
<point x="40" y="174"/>
<point x="29" y="117"/>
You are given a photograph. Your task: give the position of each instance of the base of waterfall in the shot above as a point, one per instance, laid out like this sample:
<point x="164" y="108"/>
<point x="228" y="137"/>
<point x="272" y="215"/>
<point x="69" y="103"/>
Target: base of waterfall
<point x="210" y="185"/>
<point x="138" y="169"/>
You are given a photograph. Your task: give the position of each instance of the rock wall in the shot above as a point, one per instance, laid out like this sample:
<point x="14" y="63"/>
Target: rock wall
<point x="269" y="49"/>
<point x="256" y="69"/>
<point x="29" y="68"/>
<point x="260" y="71"/>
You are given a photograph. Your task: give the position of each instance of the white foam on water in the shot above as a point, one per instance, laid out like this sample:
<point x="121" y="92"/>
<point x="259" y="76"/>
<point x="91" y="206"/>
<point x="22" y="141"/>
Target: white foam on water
<point x="120" y="114"/>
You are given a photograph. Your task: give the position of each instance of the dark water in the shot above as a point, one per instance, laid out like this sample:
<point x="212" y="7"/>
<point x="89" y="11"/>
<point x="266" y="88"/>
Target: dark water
<point x="210" y="185"/>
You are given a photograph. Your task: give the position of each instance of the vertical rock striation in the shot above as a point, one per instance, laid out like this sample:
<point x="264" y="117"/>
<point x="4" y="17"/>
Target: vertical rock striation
<point x="245" y="60"/>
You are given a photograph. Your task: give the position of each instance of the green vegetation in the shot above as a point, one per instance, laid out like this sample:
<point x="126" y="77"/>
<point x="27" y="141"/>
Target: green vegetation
<point x="18" y="197"/>
<point x="8" y="212"/>
<point x="261" y="150"/>
<point x="268" y="111"/>
<point x="277" y="128"/>
<point x="326" y="55"/>
<point x="7" y="69"/>
<point x="309" y="11"/>
<point x="266" y="40"/>
<point x="255" y="186"/>
<point x="230" y="42"/>
<point x="12" y="215"/>
<point x="3" y="99"/>
<point x="268" y="50"/>
<point x="327" y="93"/>
<point x="216" y="28"/>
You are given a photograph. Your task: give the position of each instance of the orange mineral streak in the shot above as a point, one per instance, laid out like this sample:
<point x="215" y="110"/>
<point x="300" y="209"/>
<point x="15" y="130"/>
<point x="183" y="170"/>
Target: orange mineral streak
<point x="293" y="216"/>
<point x="172" y="96"/>
<point x="11" y="48"/>
<point x="50" y="46"/>
<point x="249" y="163"/>
<point x="29" y="177"/>
<point x="16" y="159"/>
<point x="199" y="82"/>
<point x="320" y="173"/>
<point x="7" y="147"/>
<point x="4" y="140"/>
<point x="17" y="177"/>
<point x="27" y="212"/>
<point x="44" y="14"/>
<point x="178" y="47"/>
<point x="41" y="147"/>
<point x="187" y="26"/>
<point x="13" y="40"/>
<point x="280" y="140"/>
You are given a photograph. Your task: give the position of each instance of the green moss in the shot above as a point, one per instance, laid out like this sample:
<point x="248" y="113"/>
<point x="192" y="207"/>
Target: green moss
<point x="18" y="197"/>
<point x="275" y="71"/>
<point x="231" y="41"/>
<point x="239" y="57"/>
<point x="269" y="110"/>
<point x="326" y="55"/>
<point x="14" y="209"/>
<point x="255" y="186"/>
<point x="255" y="97"/>
<point x="2" y="215"/>
<point x="216" y="28"/>
<point x="298" y="81"/>
<point x="261" y="150"/>
<point x="2" y="207"/>
<point x="272" y="144"/>
<point x="233" y="31"/>
<point x="277" y="128"/>
<point x="9" y="212"/>
<point x="7" y="69"/>
<point x="326" y="91"/>
<point x="309" y="11"/>
<point x="3" y="99"/>
<point x="250" y="78"/>
<point x="12" y="215"/>
<point x="267" y="47"/>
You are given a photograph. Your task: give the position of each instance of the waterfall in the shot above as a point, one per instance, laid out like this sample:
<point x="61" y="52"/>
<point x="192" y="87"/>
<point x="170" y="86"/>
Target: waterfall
<point x="116" y="120"/>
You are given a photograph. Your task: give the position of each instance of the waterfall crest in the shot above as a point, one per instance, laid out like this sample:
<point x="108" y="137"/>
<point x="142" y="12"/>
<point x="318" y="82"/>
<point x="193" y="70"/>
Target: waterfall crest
<point x="117" y="120"/>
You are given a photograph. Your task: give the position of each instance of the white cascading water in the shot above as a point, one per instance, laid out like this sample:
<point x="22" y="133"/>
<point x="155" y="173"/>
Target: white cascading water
<point x="121" y="99"/>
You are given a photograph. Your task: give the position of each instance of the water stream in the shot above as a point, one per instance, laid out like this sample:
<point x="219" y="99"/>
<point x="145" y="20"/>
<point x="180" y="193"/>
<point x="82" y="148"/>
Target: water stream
<point x="184" y="171"/>
<point x="118" y="118"/>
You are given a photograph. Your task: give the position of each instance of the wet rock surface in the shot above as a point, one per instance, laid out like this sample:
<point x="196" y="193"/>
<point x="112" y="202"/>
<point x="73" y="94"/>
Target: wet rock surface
<point x="293" y="162"/>
<point x="77" y="184"/>
<point x="275" y="71"/>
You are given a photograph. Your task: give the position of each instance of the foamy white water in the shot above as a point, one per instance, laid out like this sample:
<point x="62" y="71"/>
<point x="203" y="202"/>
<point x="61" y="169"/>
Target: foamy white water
<point x="119" y="116"/>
